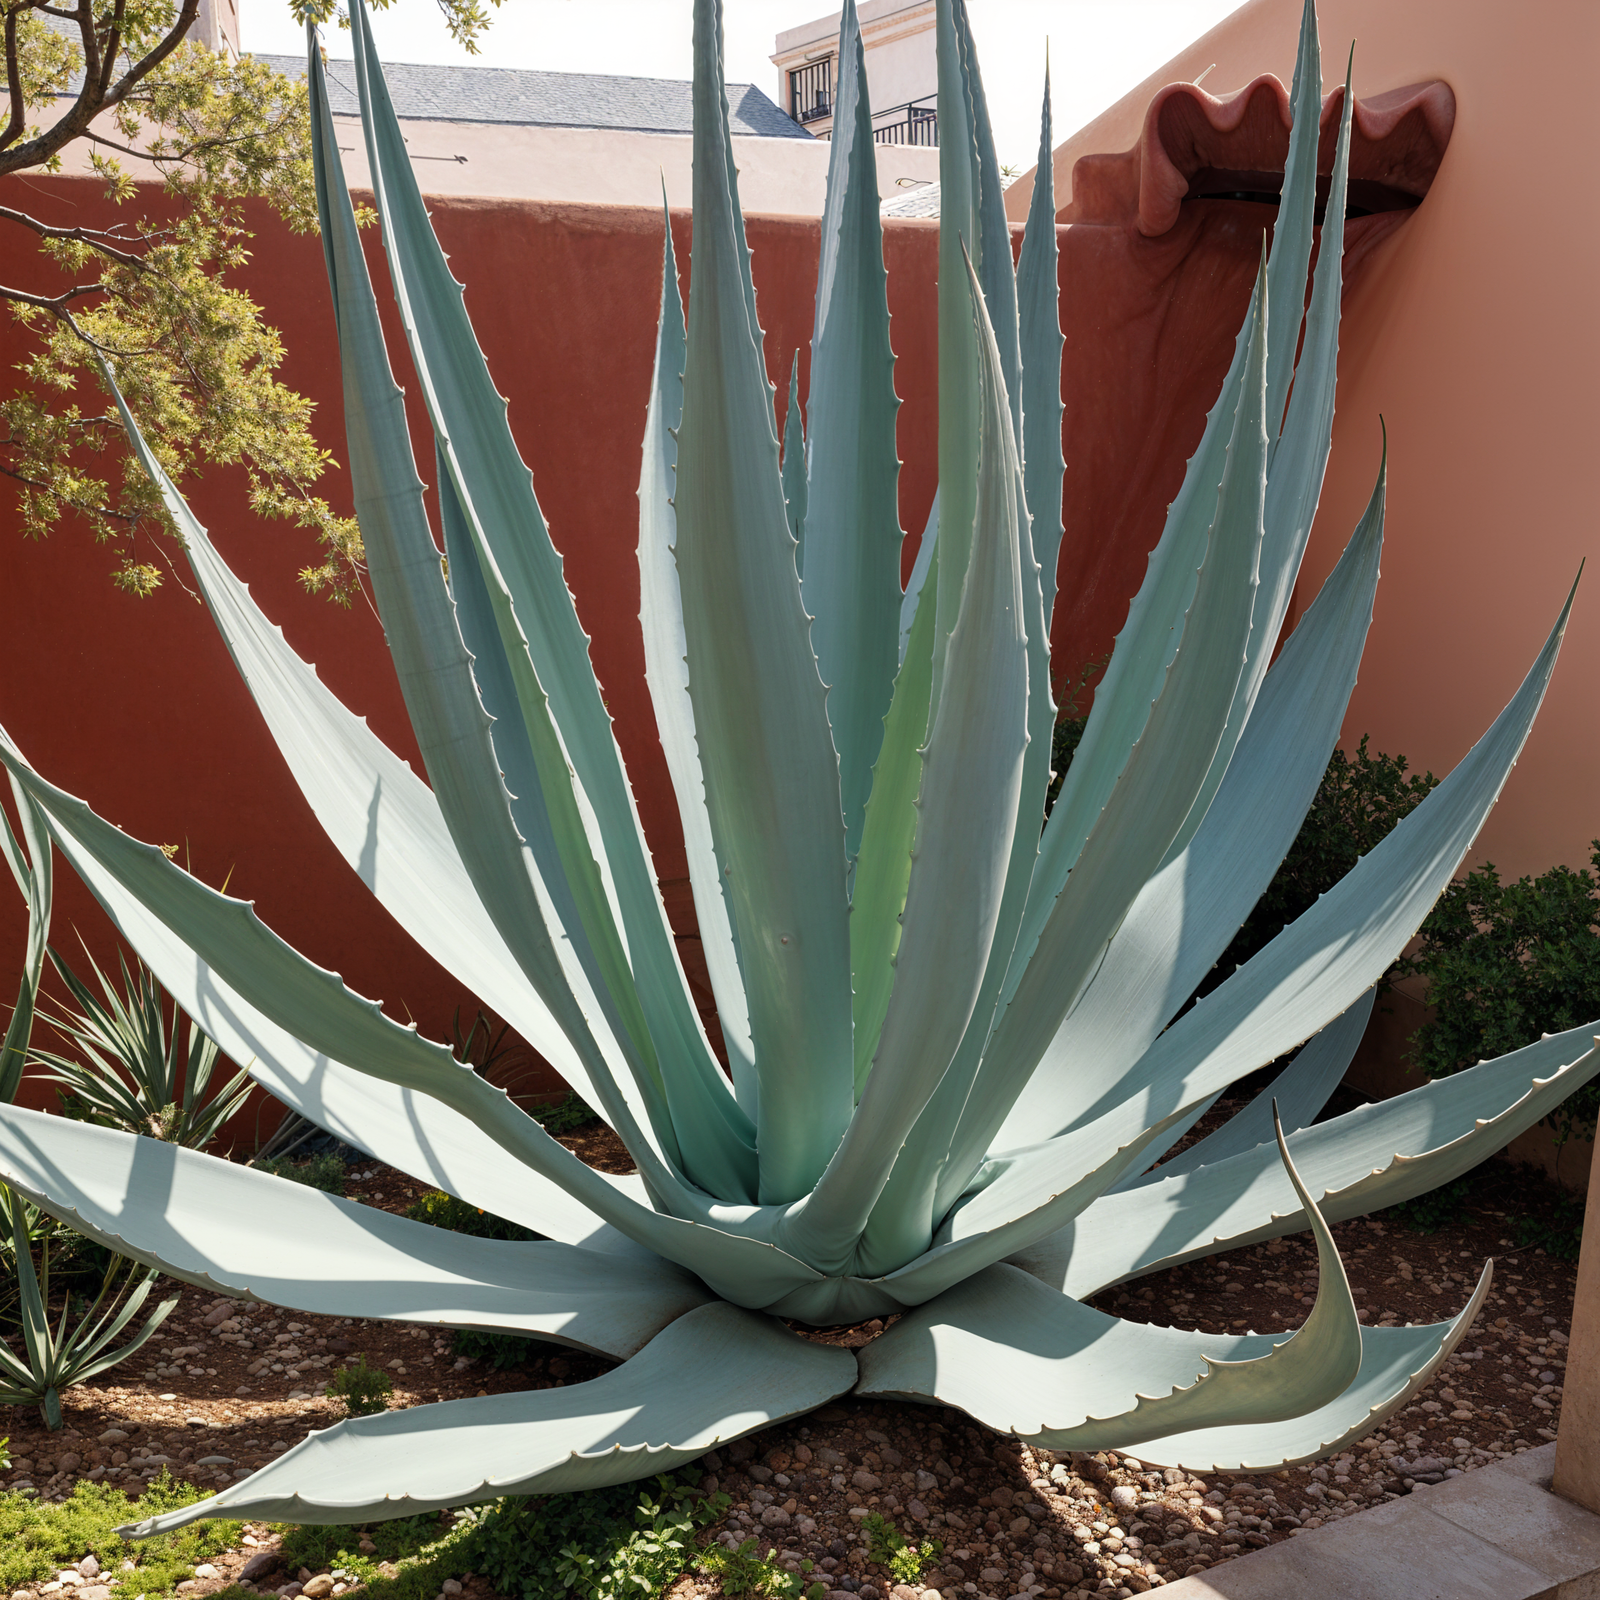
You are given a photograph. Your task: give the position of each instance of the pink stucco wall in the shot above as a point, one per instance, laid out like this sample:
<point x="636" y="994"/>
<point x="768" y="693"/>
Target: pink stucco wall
<point x="1473" y="331"/>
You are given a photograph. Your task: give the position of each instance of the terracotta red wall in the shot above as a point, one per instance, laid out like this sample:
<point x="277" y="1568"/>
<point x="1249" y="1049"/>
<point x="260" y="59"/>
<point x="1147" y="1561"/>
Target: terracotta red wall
<point x="135" y="706"/>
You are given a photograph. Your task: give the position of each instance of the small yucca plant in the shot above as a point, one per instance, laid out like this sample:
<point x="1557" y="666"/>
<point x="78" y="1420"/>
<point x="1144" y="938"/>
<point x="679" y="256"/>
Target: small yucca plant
<point x="951" y="1062"/>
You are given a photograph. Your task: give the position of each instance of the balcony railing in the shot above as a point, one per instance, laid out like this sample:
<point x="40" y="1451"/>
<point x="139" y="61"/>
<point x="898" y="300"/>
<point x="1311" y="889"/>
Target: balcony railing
<point x="811" y="92"/>
<point x="916" y="122"/>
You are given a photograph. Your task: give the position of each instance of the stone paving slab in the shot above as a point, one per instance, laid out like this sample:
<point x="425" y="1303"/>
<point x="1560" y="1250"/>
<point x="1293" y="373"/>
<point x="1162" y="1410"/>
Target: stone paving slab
<point x="1494" y="1534"/>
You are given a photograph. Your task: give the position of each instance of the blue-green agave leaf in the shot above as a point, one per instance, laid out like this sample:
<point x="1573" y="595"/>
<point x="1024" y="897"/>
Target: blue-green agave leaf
<point x="884" y="866"/>
<point x="1192" y="907"/>
<point x="209" y="929"/>
<point x="1041" y="342"/>
<point x="1153" y="795"/>
<point x="378" y="814"/>
<point x="972" y="774"/>
<point x="233" y="1231"/>
<point x="1396" y="1364"/>
<point x="902" y="1221"/>
<point x="794" y="452"/>
<point x="31" y="866"/>
<point x="435" y="671"/>
<point x="1007" y="1350"/>
<point x="546" y="646"/>
<point x="1298" y="459"/>
<point x="1143" y="653"/>
<point x="852" y="520"/>
<point x="920" y="568"/>
<point x="1349" y="938"/>
<point x="715" y="1374"/>
<point x="766" y="749"/>
<point x="667" y="673"/>
<point x="1369" y="1158"/>
<point x="1292" y="229"/>
<point x="1296" y="1095"/>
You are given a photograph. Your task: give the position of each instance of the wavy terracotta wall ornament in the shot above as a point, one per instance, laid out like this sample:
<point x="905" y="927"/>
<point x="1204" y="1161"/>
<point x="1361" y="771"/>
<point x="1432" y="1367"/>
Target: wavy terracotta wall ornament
<point x="1158" y="253"/>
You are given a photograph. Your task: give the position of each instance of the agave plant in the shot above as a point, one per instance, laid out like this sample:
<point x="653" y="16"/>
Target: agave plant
<point x="129" y="1072"/>
<point x="78" y="1347"/>
<point x="950" y="1060"/>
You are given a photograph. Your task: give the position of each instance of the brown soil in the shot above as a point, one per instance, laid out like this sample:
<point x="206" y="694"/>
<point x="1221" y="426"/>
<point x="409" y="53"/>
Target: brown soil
<point x="1012" y="1521"/>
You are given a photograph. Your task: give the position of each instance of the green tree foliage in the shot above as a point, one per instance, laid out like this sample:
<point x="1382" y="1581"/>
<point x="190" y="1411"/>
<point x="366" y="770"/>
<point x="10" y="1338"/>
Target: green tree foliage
<point x="1506" y="963"/>
<point x="153" y="291"/>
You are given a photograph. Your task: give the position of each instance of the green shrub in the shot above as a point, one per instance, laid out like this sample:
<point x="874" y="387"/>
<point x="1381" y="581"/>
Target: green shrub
<point x="887" y="1546"/>
<point x="1506" y="963"/>
<point x="564" y="1115"/>
<point x="1558" y="1233"/>
<point x="605" y="1544"/>
<point x="419" y="1553"/>
<point x="365" y="1390"/>
<point x="37" y="1540"/>
<point x="500" y="1350"/>
<point x="445" y="1211"/>
<point x="325" y="1172"/>
<point x="743" y="1571"/>
<point x="1438" y="1208"/>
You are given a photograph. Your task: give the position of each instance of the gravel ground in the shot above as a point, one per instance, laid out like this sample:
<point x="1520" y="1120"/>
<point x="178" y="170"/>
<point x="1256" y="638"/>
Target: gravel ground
<point x="230" y="1385"/>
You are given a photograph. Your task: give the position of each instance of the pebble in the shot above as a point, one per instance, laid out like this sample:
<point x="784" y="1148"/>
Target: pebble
<point x="1124" y="1497"/>
<point x="206" y="1570"/>
<point x="318" y="1588"/>
<point x="89" y="1567"/>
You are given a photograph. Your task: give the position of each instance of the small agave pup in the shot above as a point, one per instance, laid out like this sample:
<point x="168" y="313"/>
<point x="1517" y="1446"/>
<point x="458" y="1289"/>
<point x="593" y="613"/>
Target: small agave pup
<point x="951" y="1062"/>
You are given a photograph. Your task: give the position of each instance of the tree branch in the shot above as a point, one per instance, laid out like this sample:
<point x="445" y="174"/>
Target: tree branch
<point x="96" y="238"/>
<point x="58" y="305"/>
<point x="94" y="97"/>
<point x="18" y="117"/>
<point x="100" y="511"/>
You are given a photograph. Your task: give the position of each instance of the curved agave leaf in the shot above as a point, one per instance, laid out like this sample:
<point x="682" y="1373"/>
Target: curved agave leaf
<point x="794" y="450"/>
<point x="1151" y="798"/>
<point x="435" y="671"/>
<point x="972" y="776"/>
<point x="1189" y="910"/>
<point x="378" y="814"/>
<point x="884" y="867"/>
<point x="1297" y="459"/>
<point x="1025" y="1360"/>
<point x="547" y="650"/>
<point x="407" y="1129"/>
<point x="1396" y="1363"/>
<point x="715" y="1374"/>
<point x="1041" y="342"/>
<point x="902" y="1220"/>
<point x="766" y="750"/>
<point x="33" y="872"/>
<point x="336" y="1023"/>
<point x="1292" y="229"/>
<point x="234" y="1231"/>
<point x="1369" y="1158"/>
<point x="851" y="585"/>
<point x="1348" y="939"/>
<point x="1296" y="1095"/>
<point x="920" y="568"/>
<point x="666" y="672"/>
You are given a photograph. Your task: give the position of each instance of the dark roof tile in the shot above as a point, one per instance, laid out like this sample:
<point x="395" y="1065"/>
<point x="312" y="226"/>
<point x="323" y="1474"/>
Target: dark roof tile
<point x="546" y="99"/>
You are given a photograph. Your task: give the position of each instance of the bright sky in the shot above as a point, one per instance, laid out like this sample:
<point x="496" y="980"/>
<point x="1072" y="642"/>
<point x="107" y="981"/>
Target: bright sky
<point x="1102" y="48"/>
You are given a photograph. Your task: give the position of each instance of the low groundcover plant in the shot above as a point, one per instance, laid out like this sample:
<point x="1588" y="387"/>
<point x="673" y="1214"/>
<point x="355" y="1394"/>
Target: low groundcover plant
<point x="951" y="1065"/>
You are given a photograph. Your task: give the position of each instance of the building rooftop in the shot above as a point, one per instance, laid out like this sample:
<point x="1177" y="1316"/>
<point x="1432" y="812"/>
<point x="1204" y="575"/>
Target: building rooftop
<point x="546" y="99"/>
